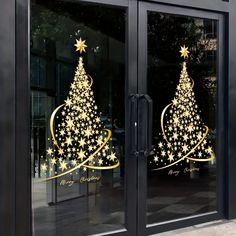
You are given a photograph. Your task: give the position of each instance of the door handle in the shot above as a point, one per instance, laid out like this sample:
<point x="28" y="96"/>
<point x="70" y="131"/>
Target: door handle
<point x="140" y="107"/>
<point x="133" y="108"/>
<point x="149" y="119"/>
<point x="145" y="110"/>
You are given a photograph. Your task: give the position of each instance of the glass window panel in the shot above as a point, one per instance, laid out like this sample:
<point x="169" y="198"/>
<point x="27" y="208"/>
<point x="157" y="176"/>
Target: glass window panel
<point x="86" y="201"/>
<point x="182" y="163"/>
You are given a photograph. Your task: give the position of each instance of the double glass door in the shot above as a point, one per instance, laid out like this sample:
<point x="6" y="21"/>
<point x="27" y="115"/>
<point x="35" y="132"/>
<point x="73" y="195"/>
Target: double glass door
<point x="114" y="151"/>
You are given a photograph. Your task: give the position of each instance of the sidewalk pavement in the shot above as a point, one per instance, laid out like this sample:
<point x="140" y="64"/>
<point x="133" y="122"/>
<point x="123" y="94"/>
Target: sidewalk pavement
<point x="214" y="228"/>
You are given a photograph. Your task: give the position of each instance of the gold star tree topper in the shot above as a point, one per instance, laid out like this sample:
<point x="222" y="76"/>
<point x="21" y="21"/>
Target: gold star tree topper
<point x="80" y="45"/>
<point x="184" y="52"/>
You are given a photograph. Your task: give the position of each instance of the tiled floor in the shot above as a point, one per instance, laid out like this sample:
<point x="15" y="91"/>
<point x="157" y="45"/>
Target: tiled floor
<point x="215" y="228"/>
<point x="100" y="207"/>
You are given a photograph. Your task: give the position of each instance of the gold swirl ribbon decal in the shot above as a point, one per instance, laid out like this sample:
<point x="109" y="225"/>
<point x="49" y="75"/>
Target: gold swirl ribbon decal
<point x="162" y="123"/>
<point x="89" y="158"/>
<point x="192" y="83"/>
<point x="91" y="83"/>
<point x="51" y="125"/>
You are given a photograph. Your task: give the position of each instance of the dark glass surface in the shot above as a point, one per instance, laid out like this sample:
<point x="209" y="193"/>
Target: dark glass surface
<point x="83" y="208"/>
<point x="188" y="187"/>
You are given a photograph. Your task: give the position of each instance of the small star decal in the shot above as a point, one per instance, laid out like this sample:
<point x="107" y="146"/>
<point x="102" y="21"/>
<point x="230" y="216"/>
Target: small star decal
<point x="44" y="167"/>
<point x="49" y="151"/>
<point x="63" y="165"/>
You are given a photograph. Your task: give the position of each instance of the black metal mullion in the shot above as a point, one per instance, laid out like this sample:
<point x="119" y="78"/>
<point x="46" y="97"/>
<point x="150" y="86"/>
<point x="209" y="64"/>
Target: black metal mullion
<point x="179" y="10"/>
<point x="216" y="5"/>
<point x="231" y="119"/>
<point x="222" y="108"/>
<point x="121" y="3"/>
<point x="22" y="156"/>
<point x="7" y="117"/>
<point x="131" y="88"/>
<point x="142" y="89"/>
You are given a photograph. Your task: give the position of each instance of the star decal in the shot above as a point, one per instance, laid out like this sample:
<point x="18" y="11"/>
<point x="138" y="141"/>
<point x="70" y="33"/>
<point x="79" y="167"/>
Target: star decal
<point x="49" y="151"/>
<point x="156" y="158"/>
<point x="44" y="167"/>
<point x="74" y="162"/>
<point x="112" y="156"/>
<point x="81" y="155"/>
<point x="63" y="165"/>
<point x="184" y="52"/>
<point x="70" y="123"/>
<point x="53" y="161"/>
<point x="82" y="142"/>
<point x="60" y="151"/>
<point x="68" y="102"/>
<point x="88" y="132"/>
<point x="69" y="141"/>
<point x="80" y="45"/>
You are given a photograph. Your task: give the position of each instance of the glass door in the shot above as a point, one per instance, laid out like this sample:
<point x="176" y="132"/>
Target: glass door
<point x="78" y="118"/>
<point x="179" y="52"/>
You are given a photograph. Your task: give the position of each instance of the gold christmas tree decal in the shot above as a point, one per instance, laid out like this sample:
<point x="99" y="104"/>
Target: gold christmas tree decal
<point x="184" y="135"/>
<point x="79" y="139"/>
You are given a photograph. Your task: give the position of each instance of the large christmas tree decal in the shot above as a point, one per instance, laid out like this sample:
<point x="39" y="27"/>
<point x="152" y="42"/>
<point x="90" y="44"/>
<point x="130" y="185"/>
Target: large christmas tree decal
<point x="184" y="135"/>
<point x="79" y="139"/>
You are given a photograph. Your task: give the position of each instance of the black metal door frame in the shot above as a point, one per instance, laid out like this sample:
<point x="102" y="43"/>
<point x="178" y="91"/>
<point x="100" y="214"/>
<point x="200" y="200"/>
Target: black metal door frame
<point x="15" y="178"/>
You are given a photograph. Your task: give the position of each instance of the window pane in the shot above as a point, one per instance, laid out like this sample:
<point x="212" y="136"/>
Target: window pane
<point x="90" y="198"/>
<point x="182" y="163"/>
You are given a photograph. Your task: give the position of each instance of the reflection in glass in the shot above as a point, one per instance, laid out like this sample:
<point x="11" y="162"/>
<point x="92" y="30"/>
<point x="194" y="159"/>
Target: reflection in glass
<point x="182" y="164"/>
<point x="81" y="208"/>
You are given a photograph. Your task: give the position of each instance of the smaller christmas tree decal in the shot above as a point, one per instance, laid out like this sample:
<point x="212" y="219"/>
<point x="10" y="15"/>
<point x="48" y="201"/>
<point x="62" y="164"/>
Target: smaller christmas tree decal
<point x="184" y="135"/>
<point x="79" y="140"/>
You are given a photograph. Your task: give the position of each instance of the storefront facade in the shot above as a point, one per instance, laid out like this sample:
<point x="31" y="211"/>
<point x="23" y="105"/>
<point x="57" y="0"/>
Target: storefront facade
<point x="117" y="116"/>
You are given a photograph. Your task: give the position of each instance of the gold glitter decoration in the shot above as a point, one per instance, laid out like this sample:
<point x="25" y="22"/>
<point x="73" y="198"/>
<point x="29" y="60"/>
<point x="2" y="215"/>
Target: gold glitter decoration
<point x="80" y="45"/>
<point x="79" y="139"/>
<point x="184" y="52"/>
<point x="184" y="135"/>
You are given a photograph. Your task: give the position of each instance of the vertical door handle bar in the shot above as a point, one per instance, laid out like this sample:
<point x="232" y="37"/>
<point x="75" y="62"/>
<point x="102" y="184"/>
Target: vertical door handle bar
<point x="140" y="104"/>
<point x="145" y="124"/>
<point x="149" y="125"/>
<point x="133" y="108"/>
